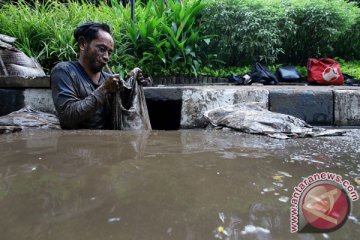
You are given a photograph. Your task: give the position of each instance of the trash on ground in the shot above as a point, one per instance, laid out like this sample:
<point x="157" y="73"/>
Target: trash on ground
<point x="14" y="62"/>
<point x="254" y="118"/>
<point x="28" y="118"/>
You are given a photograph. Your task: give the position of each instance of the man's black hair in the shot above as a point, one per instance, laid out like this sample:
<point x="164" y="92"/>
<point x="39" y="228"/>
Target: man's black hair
<point x="88" y="31"/>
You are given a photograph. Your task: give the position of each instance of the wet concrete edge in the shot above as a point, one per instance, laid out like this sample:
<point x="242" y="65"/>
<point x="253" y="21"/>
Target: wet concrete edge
<point x="173" y="107"/>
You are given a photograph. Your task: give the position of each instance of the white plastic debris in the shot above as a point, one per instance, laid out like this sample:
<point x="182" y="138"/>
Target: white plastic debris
<point x="112" y="220"/>
<point x="283" y="199"/>
<point x="251" y="229"/>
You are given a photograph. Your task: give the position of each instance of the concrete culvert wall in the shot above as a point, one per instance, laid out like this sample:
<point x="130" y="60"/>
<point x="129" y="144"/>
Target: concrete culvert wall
<point x="180" y="107"/>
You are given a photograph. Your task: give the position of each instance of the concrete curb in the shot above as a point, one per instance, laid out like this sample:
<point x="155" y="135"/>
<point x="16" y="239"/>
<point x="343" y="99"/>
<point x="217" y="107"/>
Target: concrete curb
<point x="313" y="106"/>
<point x="347" y="107"/>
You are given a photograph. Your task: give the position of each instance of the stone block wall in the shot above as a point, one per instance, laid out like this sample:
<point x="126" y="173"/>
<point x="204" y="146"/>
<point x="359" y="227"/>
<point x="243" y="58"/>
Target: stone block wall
<point x="174" y="107"/>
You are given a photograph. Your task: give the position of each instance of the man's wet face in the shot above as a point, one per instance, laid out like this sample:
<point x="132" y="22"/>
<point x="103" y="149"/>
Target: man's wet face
<point x="98" y="51"/>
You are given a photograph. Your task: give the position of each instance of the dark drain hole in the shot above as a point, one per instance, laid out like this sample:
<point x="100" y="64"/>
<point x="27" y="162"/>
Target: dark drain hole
<point x="164" y="115"/>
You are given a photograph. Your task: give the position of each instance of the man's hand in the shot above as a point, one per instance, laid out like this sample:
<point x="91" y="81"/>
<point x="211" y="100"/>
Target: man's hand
<point x="111" y="84"/>
<point x="137" y="72"/>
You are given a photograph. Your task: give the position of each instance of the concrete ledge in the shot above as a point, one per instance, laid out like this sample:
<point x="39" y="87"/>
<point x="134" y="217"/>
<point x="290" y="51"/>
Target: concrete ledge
<point x="347" y="107"/>
<point x="313" y="106"/>
<point x="183" y="106"/>
<point x="159" y="94"/>
<point x="22" y="82"/>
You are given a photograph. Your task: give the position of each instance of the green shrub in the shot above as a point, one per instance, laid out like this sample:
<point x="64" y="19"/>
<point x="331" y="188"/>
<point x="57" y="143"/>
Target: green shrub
<point x="317" y="28"/>
<point x="246" y="31"/>
<point x="348" y="44"/>
<point x="286" y="31"/>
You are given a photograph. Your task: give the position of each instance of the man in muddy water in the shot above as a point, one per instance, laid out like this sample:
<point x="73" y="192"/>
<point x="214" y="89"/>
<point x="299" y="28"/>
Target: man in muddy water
<point x="81" y="89"/>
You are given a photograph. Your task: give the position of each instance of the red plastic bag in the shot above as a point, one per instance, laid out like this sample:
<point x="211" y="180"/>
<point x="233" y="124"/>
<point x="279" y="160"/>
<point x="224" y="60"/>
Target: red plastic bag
<point x="324" y="71"/>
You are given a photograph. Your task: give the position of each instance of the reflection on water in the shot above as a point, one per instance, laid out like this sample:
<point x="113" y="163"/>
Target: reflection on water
<point x="162" y="185"/>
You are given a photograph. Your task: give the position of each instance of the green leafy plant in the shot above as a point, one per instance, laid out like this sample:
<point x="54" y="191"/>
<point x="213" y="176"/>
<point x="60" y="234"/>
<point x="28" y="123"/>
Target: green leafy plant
<point x="192" y="37"/>
<point x="44" y="31"/>
<point x="165" y="37"/>
<point x="348" y="44"/>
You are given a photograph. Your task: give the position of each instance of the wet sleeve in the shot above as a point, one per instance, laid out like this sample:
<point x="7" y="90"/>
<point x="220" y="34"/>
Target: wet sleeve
<point x="70" y="108"/>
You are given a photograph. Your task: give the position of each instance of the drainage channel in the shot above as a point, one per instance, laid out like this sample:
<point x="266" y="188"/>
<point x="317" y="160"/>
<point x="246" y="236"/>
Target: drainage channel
<point x="164" y="107"/>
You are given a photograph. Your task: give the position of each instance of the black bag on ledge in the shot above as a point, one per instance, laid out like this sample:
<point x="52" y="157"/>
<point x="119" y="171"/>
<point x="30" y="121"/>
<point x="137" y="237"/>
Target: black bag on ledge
<point x="259" y="74"/>
<point x="288" y="74"/>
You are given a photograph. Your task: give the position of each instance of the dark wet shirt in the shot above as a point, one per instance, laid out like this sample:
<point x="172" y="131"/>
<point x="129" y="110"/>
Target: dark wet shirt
<point x="79" y="102"/>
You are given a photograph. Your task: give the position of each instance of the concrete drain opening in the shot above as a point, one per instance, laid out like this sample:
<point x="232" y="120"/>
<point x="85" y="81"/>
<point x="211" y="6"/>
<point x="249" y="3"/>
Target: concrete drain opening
<point x="164" y="115"/>
<point x="164" y="106"/>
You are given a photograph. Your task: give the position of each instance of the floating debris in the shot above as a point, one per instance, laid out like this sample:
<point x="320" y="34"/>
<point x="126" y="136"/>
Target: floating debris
<point x="315" y="161"/>
<point x="28" y="168"/>
<point x="278" y="177"/>
<point x="251" y="229"/>
<point x="222" y="232"/>
<point x="326" y="236"/>
<point x="283" y="199"/>
<point x="222" y="216"/>
<point x="284" y="174"/>
<point x="268" y="189"/>
<point x="354" y="219"/>
<point x="357" y="181"/>
<point x="112" y="220"/>
<point x="279" y="184"/>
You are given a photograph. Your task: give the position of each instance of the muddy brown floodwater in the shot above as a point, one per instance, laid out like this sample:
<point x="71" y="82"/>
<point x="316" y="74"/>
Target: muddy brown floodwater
<point x="163" y="184"/>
